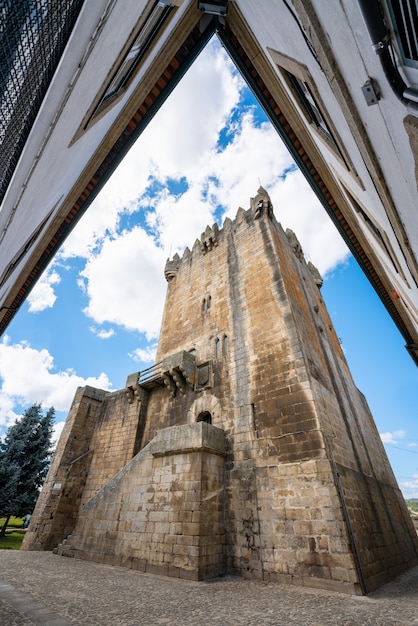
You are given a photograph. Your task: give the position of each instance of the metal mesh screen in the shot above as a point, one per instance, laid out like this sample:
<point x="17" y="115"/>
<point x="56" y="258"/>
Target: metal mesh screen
<point x="33" y="35"/>
<point x="405" y="13"/>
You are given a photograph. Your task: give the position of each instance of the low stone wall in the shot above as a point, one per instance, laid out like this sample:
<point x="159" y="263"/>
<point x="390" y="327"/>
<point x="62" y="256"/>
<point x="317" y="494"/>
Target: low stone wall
<point x="163" y="513"/>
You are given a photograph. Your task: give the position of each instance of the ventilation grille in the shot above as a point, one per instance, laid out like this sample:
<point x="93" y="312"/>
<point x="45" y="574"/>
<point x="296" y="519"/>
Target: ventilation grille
<point x="405" y="18"/>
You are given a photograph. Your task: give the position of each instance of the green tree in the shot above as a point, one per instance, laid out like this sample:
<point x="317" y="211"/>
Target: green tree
<point x="9" y="478"/>
<point x="25" y="455"/>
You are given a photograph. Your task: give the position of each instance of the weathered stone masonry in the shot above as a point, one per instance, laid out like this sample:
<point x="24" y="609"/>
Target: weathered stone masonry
<point x="246" y="448"/>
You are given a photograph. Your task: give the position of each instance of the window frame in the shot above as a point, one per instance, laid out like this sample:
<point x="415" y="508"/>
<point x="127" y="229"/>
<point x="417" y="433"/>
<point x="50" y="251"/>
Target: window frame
<point x="293" y="73"/>
<point x="104" y="101"/>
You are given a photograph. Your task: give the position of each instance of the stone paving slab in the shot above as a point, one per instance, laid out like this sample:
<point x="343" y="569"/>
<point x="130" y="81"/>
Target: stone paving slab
<point x="42" y="589"/>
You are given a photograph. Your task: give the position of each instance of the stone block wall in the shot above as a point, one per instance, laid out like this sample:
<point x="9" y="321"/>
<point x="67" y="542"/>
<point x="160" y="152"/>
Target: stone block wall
<point x="290" y="526"/>
<point x="57" y="507"/>
<point x="113" y="441"/>
<point x="382" y="529"/>
<point x="164" y="512"/>
<point x="97" y="441"/>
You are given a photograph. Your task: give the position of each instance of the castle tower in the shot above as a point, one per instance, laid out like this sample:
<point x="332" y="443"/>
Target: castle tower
<point x="252" y="450"/>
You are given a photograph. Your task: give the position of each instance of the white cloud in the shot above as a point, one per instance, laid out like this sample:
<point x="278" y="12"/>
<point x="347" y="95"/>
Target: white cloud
<point x="226" y="178"/>
<point x="179" y="220"/>
<point x="42" y="295"/>
<point x="296" y="207"/>
<point x="28" y="377"/>
<point x="102" y="334"/>
<point x="392" y="438"/>
<point x="173" y="145"/>
<point x="187" y="127"/>
<point x="56" y="432"/>
<point x="7" y="413"/>
<point x="144" y="355"/>
<point x="125" y="283"/>
<point x="255" y="156"/>
<point x="409" y="487"/>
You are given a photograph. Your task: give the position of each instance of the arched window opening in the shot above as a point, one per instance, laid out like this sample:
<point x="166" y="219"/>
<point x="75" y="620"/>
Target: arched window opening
<point x="204" y="416"/>
<point x="217" y="348"/>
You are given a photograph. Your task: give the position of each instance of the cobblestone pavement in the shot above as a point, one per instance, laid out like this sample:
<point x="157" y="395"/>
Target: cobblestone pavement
<point x="41" y="589"/>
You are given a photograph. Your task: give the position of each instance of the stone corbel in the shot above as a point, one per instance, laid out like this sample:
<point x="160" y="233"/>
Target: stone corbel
<point x="170" y="384"/>
<point x="179" y="380"/>
<point x="132" y="387"/>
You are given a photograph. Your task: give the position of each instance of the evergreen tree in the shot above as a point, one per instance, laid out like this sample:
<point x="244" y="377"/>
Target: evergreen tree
<point x="25" y="455"/>
<point x="9" y="478"/>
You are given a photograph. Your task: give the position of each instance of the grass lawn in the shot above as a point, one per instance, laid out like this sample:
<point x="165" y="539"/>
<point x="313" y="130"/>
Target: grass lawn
<point x="13" y="538"/>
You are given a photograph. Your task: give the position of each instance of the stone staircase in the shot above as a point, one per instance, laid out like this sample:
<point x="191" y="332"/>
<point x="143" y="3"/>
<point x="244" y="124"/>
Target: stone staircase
<point x="64" y="548"/>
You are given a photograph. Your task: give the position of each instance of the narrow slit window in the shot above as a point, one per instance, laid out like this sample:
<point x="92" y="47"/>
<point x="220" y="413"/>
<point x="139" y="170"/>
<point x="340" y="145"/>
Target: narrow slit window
<point x="225" y="345"/>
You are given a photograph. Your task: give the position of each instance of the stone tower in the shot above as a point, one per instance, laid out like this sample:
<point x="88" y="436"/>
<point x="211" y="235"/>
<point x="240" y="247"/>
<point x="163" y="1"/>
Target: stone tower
<point x="246" y="448"/>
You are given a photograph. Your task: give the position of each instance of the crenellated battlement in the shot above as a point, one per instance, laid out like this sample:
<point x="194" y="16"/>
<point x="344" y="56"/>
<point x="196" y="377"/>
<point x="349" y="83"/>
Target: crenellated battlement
<point x="260" y="206"/>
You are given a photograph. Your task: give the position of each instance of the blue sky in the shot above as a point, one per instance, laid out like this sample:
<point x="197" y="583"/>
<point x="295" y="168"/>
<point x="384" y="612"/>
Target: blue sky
<point x="94" y="316"/>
